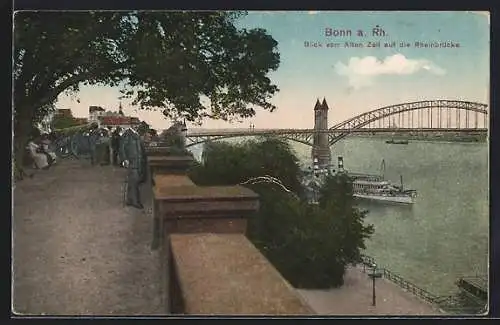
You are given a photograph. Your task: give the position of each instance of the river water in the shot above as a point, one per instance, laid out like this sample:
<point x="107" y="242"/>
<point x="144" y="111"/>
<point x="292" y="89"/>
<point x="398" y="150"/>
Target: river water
<point x="445" y="234"/>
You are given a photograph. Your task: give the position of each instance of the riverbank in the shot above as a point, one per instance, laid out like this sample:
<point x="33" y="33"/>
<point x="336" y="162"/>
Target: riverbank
<point x="355" y="298"/>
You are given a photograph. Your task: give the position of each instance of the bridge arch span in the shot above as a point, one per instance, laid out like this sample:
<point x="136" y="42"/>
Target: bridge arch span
<point x="204" y="139"/>
<point x="361" y="120"/>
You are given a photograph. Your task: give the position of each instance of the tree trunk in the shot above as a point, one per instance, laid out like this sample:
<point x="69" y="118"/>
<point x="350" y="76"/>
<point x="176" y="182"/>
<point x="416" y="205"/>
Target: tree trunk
<point x="19" y="147"/>
<point x="23" y="126"/>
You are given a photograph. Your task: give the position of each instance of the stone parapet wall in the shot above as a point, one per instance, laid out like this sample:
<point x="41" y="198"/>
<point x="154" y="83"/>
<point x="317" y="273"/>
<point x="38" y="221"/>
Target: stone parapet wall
<point x="159" y="164"/>
<point x="191" y="208"/>
<point x="225" y="274"/>
<point x="208" y="265"/>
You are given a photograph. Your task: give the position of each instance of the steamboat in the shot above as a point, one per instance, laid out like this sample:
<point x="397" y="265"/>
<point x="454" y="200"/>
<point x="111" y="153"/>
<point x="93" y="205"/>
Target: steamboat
<point x="376" y="187"/>
<point x="365" y="186"/>
<point x="392" y="141"/>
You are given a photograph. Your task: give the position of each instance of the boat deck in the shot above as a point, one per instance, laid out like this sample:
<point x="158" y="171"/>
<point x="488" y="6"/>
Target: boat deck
<point x="366" y="176"/>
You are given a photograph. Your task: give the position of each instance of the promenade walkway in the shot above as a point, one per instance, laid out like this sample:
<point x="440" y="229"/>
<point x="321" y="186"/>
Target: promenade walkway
<point x="355" y="298"/>
<point x="78" y="250"/>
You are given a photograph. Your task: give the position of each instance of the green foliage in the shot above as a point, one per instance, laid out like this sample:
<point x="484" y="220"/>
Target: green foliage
<point x="72" y="130"/>
<point x="336" y="197"/>
<point x="166" y="60"/>
<point x="174" y="140"/>
<point x="63" y="122"/>
<point x="178" y="151"/>
<point x="143" y="128"/>
<point x="310" y="245"/>
<point x="233" y="164"/>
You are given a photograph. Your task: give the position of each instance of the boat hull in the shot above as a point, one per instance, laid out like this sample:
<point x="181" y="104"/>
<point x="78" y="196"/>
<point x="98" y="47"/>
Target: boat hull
<point x="392" y="199"/>
<point x="396" y="142"/>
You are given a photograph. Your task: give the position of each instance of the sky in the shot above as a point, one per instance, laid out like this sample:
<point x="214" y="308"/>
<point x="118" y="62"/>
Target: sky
<point x="353" y="80"/>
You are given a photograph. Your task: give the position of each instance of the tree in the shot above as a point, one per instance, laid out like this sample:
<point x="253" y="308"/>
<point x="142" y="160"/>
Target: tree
<point x="193" y="64"/>
<point x="336" y="198"/>
<point x="310" y="245"/>
<point x="63" y="122"/>
<point x="233" y="164"/>
<point x="143" y="127"/>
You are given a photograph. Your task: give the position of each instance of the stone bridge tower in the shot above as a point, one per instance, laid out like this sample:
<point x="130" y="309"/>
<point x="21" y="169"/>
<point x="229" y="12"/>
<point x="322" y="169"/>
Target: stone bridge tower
<point x="321" y="149"/>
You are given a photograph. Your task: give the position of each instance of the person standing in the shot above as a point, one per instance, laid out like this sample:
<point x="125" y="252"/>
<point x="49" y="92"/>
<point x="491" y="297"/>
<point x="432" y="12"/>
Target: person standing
<point x="146" y="141"/>
<point x="131" y="154"/>
<point x="93" y="137"/>
<point x="102" y="147"/>
<point x="115" y="145"/>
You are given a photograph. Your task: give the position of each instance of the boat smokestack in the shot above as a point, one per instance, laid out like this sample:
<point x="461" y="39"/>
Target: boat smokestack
<point x="340" y="163"/>
<point x="382" y="168"/>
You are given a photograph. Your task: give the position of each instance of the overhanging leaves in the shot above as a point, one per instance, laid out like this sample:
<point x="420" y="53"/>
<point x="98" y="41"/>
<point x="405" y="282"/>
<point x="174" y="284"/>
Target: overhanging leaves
<point x="194" y="64"/>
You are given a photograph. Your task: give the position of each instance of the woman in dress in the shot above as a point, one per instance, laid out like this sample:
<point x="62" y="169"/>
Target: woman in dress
<point x="39" y="158"/>
<point x="45" y="145"/>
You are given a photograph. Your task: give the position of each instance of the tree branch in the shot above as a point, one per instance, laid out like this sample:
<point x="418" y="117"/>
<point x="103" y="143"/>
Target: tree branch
<point x="52" y="94"/>
<point x="73" y="80"/>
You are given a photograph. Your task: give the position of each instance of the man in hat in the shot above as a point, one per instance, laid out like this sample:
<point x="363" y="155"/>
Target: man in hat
<point x="132" y="153"/>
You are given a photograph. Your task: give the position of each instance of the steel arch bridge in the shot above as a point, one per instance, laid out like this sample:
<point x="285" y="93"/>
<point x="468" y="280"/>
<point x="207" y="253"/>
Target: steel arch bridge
<point x="296" y="135"/>
<point x="367" y="122"/>
<point x="367" y="118"/>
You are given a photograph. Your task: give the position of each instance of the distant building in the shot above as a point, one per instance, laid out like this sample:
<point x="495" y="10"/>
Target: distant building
<point x="115" y="121"/>
<point x="112" y="119"/>
<point x="94" y="113"/>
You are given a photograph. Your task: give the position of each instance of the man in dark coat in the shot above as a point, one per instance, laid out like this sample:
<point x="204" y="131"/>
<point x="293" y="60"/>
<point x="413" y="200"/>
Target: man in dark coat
<point x="146" y="141"/>
<point x="132" y="155"/>
<point x="115" y="145"/>
<point x="94" y="135"/>
<point x="102" y="147"/>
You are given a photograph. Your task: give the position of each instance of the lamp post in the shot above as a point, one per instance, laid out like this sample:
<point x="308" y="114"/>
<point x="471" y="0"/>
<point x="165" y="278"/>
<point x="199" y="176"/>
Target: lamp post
<point x="184" y="129"/>
<point x="374" y="275"/>
<point x="184" y="133"/>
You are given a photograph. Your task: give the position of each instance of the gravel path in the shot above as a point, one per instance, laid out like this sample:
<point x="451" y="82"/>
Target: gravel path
<point x="77" y="250"/>
<point x="355" y="298"/>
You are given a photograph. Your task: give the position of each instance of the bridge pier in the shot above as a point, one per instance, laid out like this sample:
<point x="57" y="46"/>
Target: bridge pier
<point x="321" y="148"/>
